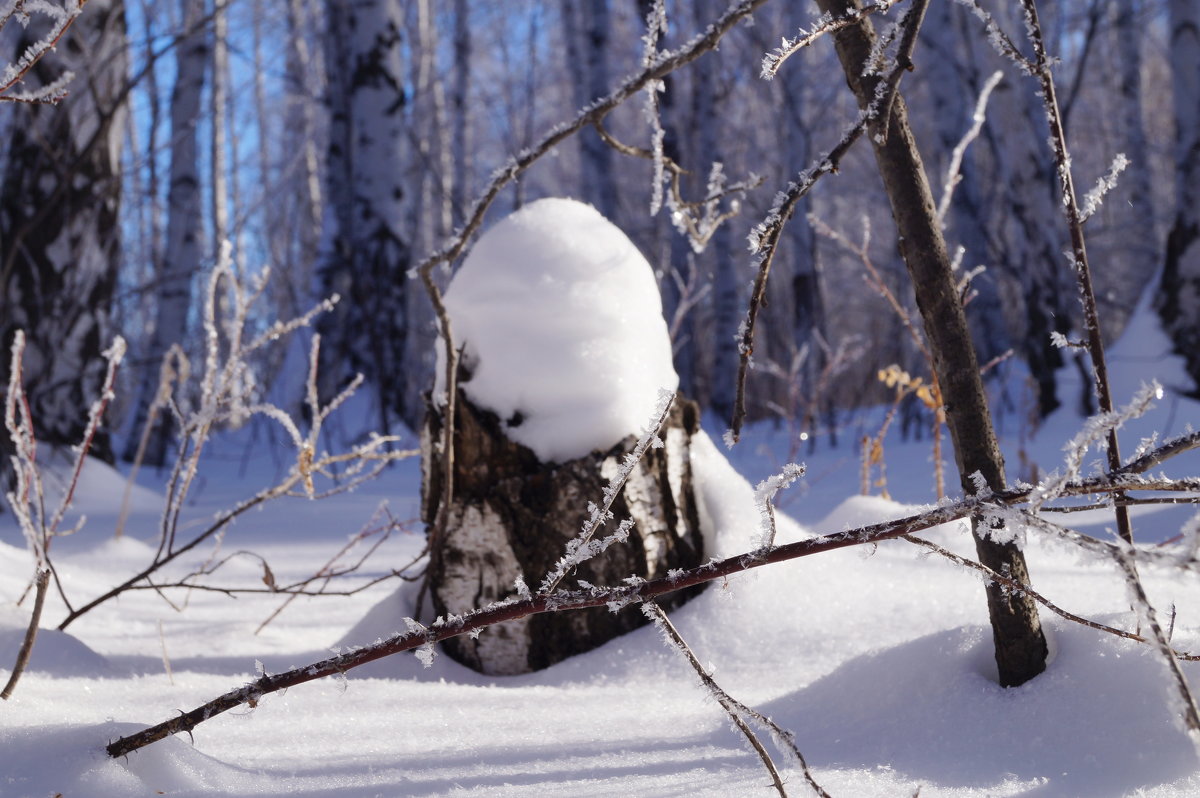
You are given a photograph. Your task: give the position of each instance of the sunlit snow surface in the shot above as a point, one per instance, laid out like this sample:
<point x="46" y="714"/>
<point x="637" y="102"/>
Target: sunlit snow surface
<point x="563" y="329"/>
<point x="878" y="659"/>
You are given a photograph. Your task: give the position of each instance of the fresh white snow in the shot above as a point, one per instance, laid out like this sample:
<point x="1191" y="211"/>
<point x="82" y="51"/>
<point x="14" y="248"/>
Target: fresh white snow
<point x="563" y="329"/>
<point x="877" y="658"/>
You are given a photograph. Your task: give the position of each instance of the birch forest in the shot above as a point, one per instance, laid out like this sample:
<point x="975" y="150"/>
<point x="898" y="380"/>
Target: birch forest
<point x="340" y="143"/>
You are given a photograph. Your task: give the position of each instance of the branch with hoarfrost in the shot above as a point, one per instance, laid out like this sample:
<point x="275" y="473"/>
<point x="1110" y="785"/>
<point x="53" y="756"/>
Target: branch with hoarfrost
<point x="583" y="548"/>
<point x="1040" y="69"/>
<point x="1001" y="42"/>
<point x="740" y="714"/>
<point x="765" y="237"/>
<point x="60" y="18"/>
<point x="1187" y="708"/>
<point x="1092" y="200"/>
<point x="764" y="500"/>
<point x="1021" y="587"/>
<point x="954" y="169"/>
<point x="510" y="609"/>
<point x="773" y="61"/>
<point x="228" y="396"/>
<point x="41" y="582"/>
<point x="634" y="591"/>
<point x="1099" y="427"/>
<point x="697" y="220"/>
<point x="28" y="501"/>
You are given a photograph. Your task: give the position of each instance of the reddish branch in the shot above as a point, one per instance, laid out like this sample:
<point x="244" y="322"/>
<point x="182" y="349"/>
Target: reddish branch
<point x="614" y="597"/>
<point x="559" y="602"/>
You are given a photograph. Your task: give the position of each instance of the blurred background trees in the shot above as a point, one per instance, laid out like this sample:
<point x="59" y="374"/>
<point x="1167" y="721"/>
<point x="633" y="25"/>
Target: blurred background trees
<point x="339" y="141"/>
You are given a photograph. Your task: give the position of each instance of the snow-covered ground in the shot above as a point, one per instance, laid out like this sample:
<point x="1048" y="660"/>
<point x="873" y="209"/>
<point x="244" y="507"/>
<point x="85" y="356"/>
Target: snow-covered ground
<point x="878" y="659"/>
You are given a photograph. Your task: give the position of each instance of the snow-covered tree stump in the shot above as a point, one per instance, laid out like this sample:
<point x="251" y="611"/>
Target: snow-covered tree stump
<point x="564" y="353"/>
<point x="513" y="515"/>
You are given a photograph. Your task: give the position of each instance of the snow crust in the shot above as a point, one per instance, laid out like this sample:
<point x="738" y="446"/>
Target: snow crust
<point x="878" y="659"/>
<point x="563" y="329"/>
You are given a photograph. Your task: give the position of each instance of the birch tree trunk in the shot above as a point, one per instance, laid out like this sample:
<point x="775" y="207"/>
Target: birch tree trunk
<point x="59" y="225"/>
<point x="181" y="261"/>
<point x="218" y="98"/>
<point x="1017" y="633"/>
<point x="1178" y="299"/>
<point x="368" y="330"/>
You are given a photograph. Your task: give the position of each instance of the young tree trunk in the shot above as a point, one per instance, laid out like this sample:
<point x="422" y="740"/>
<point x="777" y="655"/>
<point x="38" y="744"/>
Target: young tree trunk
<point x="1178" y="298"/>
<point x="1020" y="645"/>
<point x="59" y="225"/>
<point x="181" y="261"/>
<point x="512" y="516"/>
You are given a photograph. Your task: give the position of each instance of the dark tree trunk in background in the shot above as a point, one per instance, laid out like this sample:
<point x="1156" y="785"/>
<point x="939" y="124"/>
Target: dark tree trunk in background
<point x="181" y="260"/>
<point x="59" y="227"/>
<point x="513" y="515"/>
<point x="367" y="331"/>
<point x="586" y="30"/>
<point x="1178" y="298"/>
<point x="1020" y="645"/>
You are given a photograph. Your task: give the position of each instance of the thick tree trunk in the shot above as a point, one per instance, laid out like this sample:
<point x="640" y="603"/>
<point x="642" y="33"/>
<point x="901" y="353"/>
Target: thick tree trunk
<point x="512" y="516"/>
<point x="1020" y="645"/>
<point x="1178" y="298"/>
<point x="59" y="226"/>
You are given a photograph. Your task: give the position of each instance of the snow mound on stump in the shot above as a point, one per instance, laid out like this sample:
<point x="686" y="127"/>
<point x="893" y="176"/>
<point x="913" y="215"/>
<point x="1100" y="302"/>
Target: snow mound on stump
<point x="563" y="330"/>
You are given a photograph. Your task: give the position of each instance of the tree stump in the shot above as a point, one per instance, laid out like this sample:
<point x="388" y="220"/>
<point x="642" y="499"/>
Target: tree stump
<point x="511" y="516"/>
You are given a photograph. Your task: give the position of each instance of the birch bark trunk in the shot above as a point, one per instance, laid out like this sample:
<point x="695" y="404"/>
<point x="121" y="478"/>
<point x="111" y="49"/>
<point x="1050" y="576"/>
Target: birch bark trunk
<point x="1178" y="298"/>
<point x="181" y="260"/>
<point x="59" y="225"/>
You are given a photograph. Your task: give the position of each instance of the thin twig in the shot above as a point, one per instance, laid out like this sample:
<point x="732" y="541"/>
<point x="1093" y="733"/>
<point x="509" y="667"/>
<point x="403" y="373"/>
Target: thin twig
<point x="659" y="618"/>
<point x="23" y="654"/>
<point x="1083" y="272"/>
<point x="765" y="238"/>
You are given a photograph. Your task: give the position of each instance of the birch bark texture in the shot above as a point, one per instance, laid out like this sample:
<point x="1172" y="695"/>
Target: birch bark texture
<point x="181" y="260"/>
<point x="1178" y="298"/>
<point x="1016" y="629"/>
<point x="59" y="224"/>
<point x="369" y="255"/>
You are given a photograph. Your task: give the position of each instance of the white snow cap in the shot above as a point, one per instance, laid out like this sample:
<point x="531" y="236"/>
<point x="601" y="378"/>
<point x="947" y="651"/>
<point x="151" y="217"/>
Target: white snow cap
<point x="563" y="326"/>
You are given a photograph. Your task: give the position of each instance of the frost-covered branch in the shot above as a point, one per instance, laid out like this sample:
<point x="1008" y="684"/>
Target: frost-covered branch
<point x="764" y="500"/>
<point x="28" y="501"/>
<point x="1092" y="200"/>
<point x="954" y="169"/>
<point x="773" y="61"/>
<point x="740" y="714"/>
<point x="1100" y="427"/>
<point x="1146" y="614"/>
<point x="764" y="239"/>
<point x="227" y="395"/>
<point x="60" y="18"/>
<point x="697" y="220"/>
<point x="584" y="548"/>
<point x="634" y="591"/>
<point x="1040" y="69"/>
